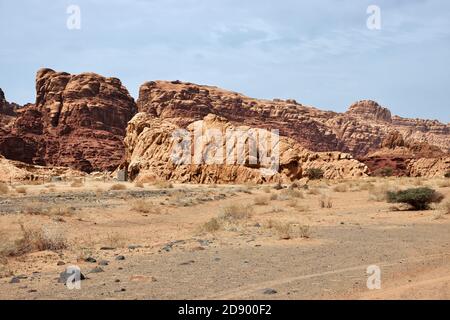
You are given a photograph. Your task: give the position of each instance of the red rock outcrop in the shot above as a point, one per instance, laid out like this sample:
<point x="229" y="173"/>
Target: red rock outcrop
<point x="358" y="131"/>
<point x="77" y="121"/>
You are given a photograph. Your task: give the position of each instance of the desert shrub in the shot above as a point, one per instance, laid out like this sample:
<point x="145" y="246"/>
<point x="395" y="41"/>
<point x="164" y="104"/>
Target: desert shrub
<point x="314" y="173"/>
<point x="446" y="207"/>
<point x="287" y="194"/>
<point x="4" y="189"/>
<point x="163" y="184"/>
<point x="236" y="212"/>
<point x="418" y="198"/>
<point x="77" y="183"/>
<point x="212" y="225"/>
<point x="144" y="206"/>
<point x="273" y="196"/>
<point x="261" y="201"/>
<point x="115" y="240"/>
<point x="118" y="186"/>
<point x="341" y="188"/>
<point x="21" y="190"/>
<point x="326" y="202"/>
<point x="62" y="211"/>
<point x="289" y="230"/>
<point x="447" y="174"/>
<point x="33" y="240"/>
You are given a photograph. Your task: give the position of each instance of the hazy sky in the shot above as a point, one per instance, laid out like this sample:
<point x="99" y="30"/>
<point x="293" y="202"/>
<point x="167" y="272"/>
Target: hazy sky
<point x="319" y="52"/>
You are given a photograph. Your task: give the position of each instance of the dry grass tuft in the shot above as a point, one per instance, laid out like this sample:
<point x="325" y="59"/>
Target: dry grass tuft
<point x="34" y="240"/>
<point x="446" y="207"/>
<point x="145" y="206"/>
<point x="341" y="188"/>
<point x="163" y="184"/>
<point x="261" y="201"/>
<point x="289" y="194"/>
<point x="289" y="230"/>
<point x="77" y="183"/>
<point x="212" y="225"/>
<point x="118" y="187"/>
<point x="115" y="240"/>
<point x="326" y="202"/>
<point x="236" y="212"/>
<point x="21" y="190"/>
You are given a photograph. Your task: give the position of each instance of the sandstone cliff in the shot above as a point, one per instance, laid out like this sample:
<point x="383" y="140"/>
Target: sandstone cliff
<point x="150" y="144"/>
<point x="358" y="131"/>
<point x="77" y="121"/>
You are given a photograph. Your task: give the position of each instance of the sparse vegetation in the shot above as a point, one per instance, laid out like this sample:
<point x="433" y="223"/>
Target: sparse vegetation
<point x="77" y="183"/>
<point x="144" y="206"/>
<point x="447" y="174"/>
<point x="340" y="188"/>
<point x="118" y="187"/>
<point x="33" y="240"/>
<point x="446" y="207"/>
<point x="314" y="173"/>
<point x="21" y="190"/>
<point x="417" y="198"/>
<point x="289" y="230"/>
<point x="212" y="225"/>
<point x="261" y="201"/>
<point x="163" y="184"/>
<point x="288" y="194"/>
<point x="379" y="193"/>
<point x="236" y="212"/>
<point x="326" y="202"/>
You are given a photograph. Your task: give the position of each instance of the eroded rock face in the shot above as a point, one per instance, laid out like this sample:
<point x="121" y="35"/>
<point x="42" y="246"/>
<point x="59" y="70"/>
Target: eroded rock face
<point x="77" y="121"/>
<point x="6" y="108"/>
<point x="369" y="110"/>
<point x="404" y="157"/>
<point x="358" y="131"/>
<point x="151" y="143"/>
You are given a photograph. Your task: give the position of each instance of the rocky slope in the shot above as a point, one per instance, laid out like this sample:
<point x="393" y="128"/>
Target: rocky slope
<point x="77" y="121"/>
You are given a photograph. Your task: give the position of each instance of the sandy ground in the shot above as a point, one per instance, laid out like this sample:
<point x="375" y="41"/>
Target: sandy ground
<point x="170" y="254"/>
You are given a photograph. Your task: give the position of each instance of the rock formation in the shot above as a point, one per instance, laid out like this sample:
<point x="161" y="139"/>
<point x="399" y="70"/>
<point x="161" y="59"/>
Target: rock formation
<point x="358" y="131"/>
<point x="151" y="143"/>
<point x="77" y="121"/>
<point x="80" y="121"/>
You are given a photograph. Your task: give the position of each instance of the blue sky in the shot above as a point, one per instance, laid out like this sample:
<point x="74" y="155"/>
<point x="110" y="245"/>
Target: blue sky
<point x="320" y="53"/>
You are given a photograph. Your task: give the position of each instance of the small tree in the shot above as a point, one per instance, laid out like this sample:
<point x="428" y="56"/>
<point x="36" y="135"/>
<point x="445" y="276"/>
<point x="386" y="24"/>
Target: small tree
<point x="314" y="173"/>
<point x="418" y="198"/>
<point x="447" y="174"/>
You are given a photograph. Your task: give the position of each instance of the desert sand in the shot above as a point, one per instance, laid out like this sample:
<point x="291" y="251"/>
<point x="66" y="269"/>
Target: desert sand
<point x="186" y="241"/>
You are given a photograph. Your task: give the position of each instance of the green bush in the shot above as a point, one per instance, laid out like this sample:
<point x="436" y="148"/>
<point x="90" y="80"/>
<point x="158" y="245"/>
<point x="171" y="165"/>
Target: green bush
<point x="418" y="198"/>
<point x="314" y="173"/>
